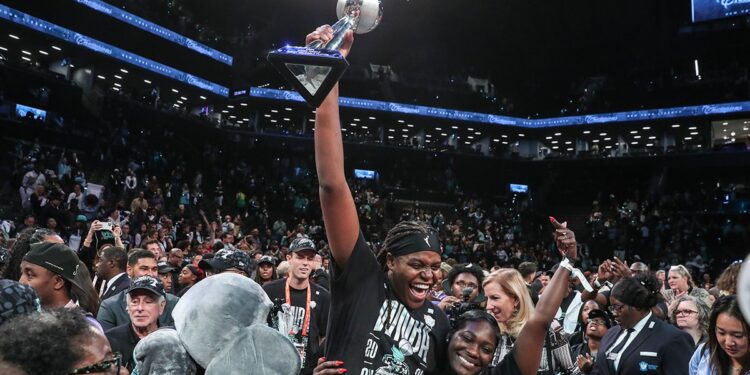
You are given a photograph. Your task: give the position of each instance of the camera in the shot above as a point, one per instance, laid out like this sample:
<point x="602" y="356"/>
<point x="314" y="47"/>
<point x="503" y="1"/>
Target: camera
<point x="455" y="311"/>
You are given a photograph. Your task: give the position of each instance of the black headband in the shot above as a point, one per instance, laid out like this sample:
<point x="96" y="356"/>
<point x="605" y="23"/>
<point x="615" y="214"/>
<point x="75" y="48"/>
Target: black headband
<point x="415" y="243"/>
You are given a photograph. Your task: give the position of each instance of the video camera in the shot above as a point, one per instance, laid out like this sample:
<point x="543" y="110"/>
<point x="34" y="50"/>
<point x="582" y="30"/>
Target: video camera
<point x="454" y="312"/>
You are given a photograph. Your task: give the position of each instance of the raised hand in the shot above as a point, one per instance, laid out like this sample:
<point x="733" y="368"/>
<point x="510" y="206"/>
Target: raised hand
<point x="565" y="239"/>
<point x="325" y="34"/>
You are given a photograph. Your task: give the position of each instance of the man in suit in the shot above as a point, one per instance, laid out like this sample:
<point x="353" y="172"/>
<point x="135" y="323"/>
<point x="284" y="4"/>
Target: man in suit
<point x="641" y="343"/>
<point x="146" y="301"/>
<point x="113" y="310"/>
<point x="111" y="267"/>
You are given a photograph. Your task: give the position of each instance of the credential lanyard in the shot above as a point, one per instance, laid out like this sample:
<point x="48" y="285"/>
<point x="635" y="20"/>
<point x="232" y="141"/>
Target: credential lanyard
<point x="306" y="324"/>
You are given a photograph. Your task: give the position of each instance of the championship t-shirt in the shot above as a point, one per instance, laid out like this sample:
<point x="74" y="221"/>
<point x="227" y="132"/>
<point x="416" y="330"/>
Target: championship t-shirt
<point x="290" y="319"/>
<point x="372" y="332"/>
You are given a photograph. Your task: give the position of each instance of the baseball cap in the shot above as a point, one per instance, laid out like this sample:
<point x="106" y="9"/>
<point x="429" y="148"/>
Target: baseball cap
<point x="81" y="218"/>
<point x="150" y="283"/>
<point x="601" y="314"/>
<point x="165" y="267"/>
<point x="267" y="259"/>
<point x="225" y="259"/>
<point x="17" y="299"/>
<point x="56" y="257"/>
<point x="302" y="243"/>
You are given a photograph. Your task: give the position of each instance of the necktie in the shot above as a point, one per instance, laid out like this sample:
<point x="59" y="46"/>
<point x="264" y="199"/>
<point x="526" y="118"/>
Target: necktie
<point x="612" y="356"/>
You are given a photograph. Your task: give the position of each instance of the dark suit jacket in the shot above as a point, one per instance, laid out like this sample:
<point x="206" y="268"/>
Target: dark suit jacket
<point x="122" y="339"/>
<point x="659" y="348"/>
<point x="122" y="283"/>
<point x="113" y="311"/>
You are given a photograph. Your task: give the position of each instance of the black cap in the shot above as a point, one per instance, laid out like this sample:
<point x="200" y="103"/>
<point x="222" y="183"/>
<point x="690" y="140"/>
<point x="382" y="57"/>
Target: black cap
<point x="165" y="267"/>
<point x="150" y="283"/>
<point x="267" y="259"/>
<point x="56" y="257"/>
<point x="302" y="243"/>
<point x="596" y="313"/>
<point x="225" y="259"/>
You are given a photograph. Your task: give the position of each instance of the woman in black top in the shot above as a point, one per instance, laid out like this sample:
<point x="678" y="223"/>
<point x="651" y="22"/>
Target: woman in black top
<point x="380" y="318"/>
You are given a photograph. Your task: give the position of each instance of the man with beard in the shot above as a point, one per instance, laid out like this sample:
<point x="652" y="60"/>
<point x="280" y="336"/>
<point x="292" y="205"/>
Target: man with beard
<point x="301" y="307"/>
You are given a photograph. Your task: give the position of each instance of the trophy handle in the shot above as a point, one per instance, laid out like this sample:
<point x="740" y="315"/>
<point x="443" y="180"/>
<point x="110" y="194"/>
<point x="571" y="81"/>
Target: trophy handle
<point x="340" y="28"/>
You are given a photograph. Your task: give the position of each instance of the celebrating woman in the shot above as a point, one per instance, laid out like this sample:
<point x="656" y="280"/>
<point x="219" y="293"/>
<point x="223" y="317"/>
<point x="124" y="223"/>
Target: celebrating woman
<point x="384" y="322"/>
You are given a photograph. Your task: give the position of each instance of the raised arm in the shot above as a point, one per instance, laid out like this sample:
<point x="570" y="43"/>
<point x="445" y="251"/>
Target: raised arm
<point x="337" y="204"/>
<point x="527" y="349"/>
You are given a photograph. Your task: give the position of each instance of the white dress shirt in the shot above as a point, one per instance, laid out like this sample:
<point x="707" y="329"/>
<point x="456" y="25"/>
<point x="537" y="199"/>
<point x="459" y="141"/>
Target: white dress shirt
<point x="636" y="330"/>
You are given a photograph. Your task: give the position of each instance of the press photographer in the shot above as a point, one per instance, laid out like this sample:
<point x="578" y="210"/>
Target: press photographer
<point x="463" y="289"/>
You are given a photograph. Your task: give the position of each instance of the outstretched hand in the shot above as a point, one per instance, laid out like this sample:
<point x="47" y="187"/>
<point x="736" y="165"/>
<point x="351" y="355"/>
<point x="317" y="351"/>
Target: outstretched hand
<point x="565" y="239"/>
<point x="325" y="34"/>
<point x="329" y="367"/>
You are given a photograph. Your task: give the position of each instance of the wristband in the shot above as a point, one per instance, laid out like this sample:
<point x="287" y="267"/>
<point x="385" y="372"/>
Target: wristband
<point x="566" y="264"/>
<point x="597" y="284"/>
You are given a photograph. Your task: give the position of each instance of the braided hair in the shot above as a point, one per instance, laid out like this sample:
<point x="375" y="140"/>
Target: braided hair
<point x="398" y="232"/>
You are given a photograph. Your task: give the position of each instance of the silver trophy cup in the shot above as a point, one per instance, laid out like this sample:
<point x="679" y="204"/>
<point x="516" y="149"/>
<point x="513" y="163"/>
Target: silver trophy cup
<point x="313" y="70"/>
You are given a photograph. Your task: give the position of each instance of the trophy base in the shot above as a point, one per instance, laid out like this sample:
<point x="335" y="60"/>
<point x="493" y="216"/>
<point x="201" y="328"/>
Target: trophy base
<point x="312" y="72"/>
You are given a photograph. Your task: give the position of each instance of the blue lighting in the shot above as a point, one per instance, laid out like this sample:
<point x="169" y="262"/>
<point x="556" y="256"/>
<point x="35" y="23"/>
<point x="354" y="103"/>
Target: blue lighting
<point x="155" y="29"/>
<point x="70" y="36"/>
<point x="452" y="114"/>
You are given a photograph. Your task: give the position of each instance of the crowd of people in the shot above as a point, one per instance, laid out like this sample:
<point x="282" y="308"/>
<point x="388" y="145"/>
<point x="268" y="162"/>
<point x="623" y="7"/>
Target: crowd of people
<point x="143" y="274"/>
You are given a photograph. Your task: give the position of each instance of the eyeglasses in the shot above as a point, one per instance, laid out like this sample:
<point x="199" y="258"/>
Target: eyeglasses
<point x="616" y="308"/>
<point x="464" y="285"/>
<point x="105" y="365"/>
<point x="685" y="312"/>
<point x="597" y="322"/>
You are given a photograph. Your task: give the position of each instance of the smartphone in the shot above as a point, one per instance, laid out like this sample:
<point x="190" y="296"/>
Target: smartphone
<point x="106" y="226"/>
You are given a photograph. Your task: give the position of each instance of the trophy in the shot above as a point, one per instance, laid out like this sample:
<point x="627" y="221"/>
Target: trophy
<point x="313" y="70"/>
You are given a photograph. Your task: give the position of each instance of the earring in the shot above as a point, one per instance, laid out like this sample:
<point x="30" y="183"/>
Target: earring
<point x="515" y="311"/>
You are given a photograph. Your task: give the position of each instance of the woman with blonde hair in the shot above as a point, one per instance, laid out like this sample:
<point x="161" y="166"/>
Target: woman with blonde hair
<point x="509" y="302"/>
<point x="680" y="284"/>
<point x="727" y="281"/>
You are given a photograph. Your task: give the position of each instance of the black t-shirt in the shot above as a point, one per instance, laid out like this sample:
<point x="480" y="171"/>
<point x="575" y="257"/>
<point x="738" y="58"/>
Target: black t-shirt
<point x="372" y="332"/>
<point x="319" y="305"/>
<point x="507" y="366"/>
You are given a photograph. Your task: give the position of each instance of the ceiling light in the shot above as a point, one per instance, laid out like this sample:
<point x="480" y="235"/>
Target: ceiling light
<point x="117" y="84"/>
<point x="184" y="98"/>
<point x="224" y="111"/>
<point x="428" y="136"/>
<point x="608" y="139"/>
<point x="438" y="129"/>
<point x="175" y="91"/>
<point x="391" y="130"/>
<point x="56" y="48"/>
<point x="356" y="119"/>
<point x="118" y="89"/>
<point x="547" y="137"/>
<point x="637" y="137"/>
<point x="243" y="104"/>
<point x="443" y="134"/>
<point x="100" y="77"/>
<point x="14" y="37"/>
<point x="688" y="138"/>
<point x="267" y="115"/>
<point x="495" y="140"/>
<point x="602" y="134"/>
<point x="390" y="137"/>
<point x="372" y="118"/>
<point x="568" y="142"/>
<point x="275" y="110"/>
<point x="287" y="119"/>
<point x="43" y="52"/>
<point x="147" y="81"/>
<point x="554" y="142"/>
<point x="401" y="121"/>
<point x="646" y="128"/>
<point x="649" y="145"/>
<point x="652" y="137"/>
<point x="587" y="132"/>
<point x="118" y="77"/>
<point x="25" y="58"/>
<point x="505" y="142"/>
<point x="595" y="141"/>
<point x="3" y="48"/>
<point x="558" y="134"/>
<point x="692" y="128"/>
<point x="676" y="125"/>
<point x="555" y="147"/>
<point x="364" y="126"/>
<point x="179" y="101"/>
<point x="124" y="71"/>
<point x="570" y="149"/>
<point x="634" y="132"/>
<point x="26" y="52"/>
<point x="454" y="127"/>
<point x="725" y="123"/>
<point x="521" y="135"/>
<point x="288" y="109"/>
<point x="202" y="97"/>
<point x="696" y="133"/>
<point x="633" y="143"/>
<point x="410" y="125"/>
<point x="230" y="106"/>
<point x="274" y="121"/>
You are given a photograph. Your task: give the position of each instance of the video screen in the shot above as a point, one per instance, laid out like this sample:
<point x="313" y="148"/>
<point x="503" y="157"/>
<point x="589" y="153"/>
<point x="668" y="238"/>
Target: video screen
<point x="706" y="10"/>
<point x="365" y="174"/>
<point x="518" y="188"/>
<point x="23" y="111"/>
